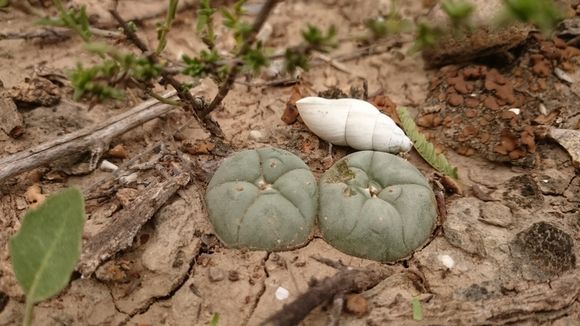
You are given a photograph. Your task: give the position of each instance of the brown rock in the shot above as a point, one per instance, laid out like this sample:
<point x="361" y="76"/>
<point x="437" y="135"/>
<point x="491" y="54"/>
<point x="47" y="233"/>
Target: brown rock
<point x="541" y="68"/>
<point x="468" y="132"/>
<point x="471" y="102"/>
<point x="471" y="113"/>
<point x="472" y="72"/>
<point x="490" y="102"/>
<point x="215" y="274"/>
<point x="455" y="99"/>
<point x="36" y="91"/>
<point x="465" y="151"/>
<point x="357" y="304"/>
<point x="425" y="121"/>
<point x="506" y="93"/>
<point x="517" y="154"/>
<point x="459" y="84"/>
<point x="10" y="119"/>
<point x="118" y="151"/>
<point x="527" y="139"/>
<point x="437" y="120"/>
<point x="497" y="214"/>
<point x="507" y="115"/>
<point x="126" y="195"/>
<point x="484" y="138"/>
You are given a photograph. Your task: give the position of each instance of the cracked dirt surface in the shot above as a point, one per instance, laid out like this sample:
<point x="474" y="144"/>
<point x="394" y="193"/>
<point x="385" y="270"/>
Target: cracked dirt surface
<point x="505" y="254"/>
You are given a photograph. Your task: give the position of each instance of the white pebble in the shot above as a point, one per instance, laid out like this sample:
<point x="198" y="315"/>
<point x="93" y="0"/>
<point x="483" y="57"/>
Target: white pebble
<point x="563" y="75"/>
<point x="282" y="293"/>
<point x="108" y="166"/>
<point x="256" y="135"/>
<point x="543" y="109"/>
<point x="515" y="110"/>
<point x="446" y="260"/>
<point x="127" y="179"/>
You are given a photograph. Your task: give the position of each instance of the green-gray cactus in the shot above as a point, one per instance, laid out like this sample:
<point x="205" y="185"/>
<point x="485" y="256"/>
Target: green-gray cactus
<point x="376" y="205"/>
<point x="264" y="199"/>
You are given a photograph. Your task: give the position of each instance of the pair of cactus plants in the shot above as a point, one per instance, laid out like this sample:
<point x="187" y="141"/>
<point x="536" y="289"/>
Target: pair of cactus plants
<point x="369" y="204"/>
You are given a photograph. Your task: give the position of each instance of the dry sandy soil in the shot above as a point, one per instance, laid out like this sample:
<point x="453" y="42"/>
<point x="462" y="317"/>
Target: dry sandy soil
<point x="512" y="233"/>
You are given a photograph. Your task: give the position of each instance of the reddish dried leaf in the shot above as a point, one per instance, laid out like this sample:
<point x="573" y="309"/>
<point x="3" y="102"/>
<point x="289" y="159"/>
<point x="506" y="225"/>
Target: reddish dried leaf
<point x="291" y="113"/>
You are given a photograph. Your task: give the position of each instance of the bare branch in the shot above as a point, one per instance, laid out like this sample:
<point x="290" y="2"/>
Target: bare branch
<point x="195" y="106"/>
<point x="227" y="85"/>
<point x="82" y="140"/>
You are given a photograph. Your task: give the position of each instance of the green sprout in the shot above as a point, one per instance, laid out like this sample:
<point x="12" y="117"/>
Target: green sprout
<point x="319" y="41"/>
<point x="204" y="24"/>
<point x="95" y="81"/>
<point x="392" y="24"/>
<point x="164" y="28"/>
<point x="255" y="59"/>
<point x="427" y="36"/>
<point x="75" y="19"/>
<point x="459" y="12"/>
<point x="207" y="63"/>
<point x="232" y="20"/>
<point x="542" y="13"/>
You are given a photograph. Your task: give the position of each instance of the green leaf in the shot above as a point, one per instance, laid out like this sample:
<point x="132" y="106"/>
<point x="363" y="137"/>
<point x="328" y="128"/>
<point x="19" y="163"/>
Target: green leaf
<point x="214" y="319"/>
<point x="48" y="245"/>
<point x="417" y="309"/>
<point x="4" y="3"/>
<point x="424" y="147"/>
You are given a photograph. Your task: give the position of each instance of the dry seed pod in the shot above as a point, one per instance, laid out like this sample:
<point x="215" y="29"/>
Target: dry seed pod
<point x="354" y="123"/>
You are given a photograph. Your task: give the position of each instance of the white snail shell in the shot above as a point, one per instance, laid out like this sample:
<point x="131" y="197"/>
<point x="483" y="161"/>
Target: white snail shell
<point x="354" y="123"/>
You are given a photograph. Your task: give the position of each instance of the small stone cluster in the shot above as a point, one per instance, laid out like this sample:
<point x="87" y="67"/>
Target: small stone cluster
<point x="494" y="111"/>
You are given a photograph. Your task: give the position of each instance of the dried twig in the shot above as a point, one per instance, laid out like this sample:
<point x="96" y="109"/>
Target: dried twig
<point x="345" y="281"/>
<point x="83" y="140"/>
<point x="227" y="85"/>
<point x="195" y="106"/>
<point x="119" y="234"/>
<point x="56" y="33"/>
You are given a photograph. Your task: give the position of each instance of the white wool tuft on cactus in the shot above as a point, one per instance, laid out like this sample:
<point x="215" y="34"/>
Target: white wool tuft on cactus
<point x="354" y="123"/>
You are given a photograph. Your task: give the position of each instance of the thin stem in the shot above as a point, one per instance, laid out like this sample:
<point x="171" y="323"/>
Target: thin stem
<point x="182" y="91"/>
<point x="227" y="85"/>
<point x="164" y="29"/>
<point x="69" y="21"/>
<point x="28" y="312"/>
<point x="163" y="99"/>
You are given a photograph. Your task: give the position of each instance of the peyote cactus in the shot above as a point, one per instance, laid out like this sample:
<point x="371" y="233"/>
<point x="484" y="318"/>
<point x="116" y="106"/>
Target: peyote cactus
<point x="376" y="205"/>
<point x="263" y="199"/>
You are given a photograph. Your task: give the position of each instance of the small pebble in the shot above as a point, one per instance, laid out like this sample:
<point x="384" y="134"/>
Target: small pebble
<point x="563" y="75"/>
<point x="233" y="276"/>
<point x="256" y="135"/>
<point x="118" y="151"/>
<point x="357" y="304"/>
<point x="128" y="179"/>
<point x="216" y="274"/>
<point x="108" y="166"/>
<point x="282" y="293"/>
<point x="34" y="195"/>
<point x="447" y="261"/>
